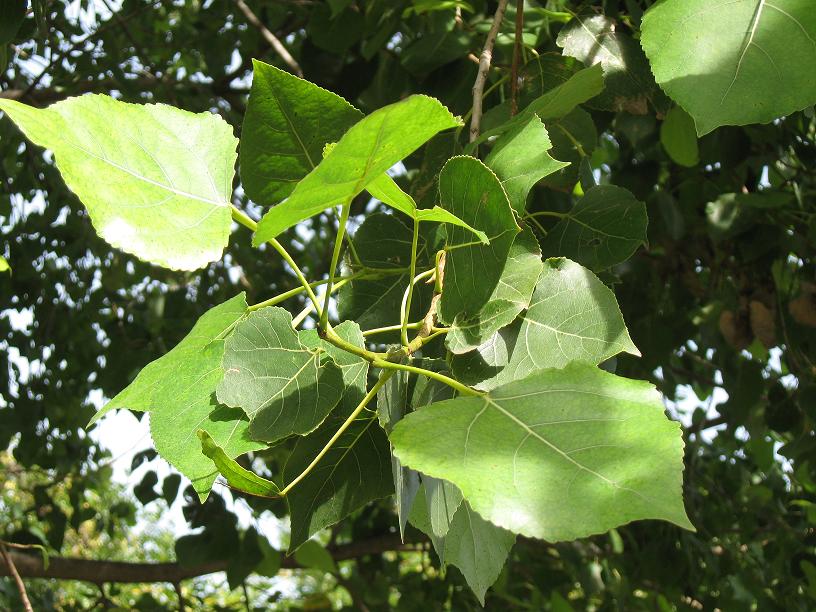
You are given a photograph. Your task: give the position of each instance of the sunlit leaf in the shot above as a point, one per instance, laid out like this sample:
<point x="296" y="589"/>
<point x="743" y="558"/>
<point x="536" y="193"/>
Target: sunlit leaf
<point x="156" y="180"/>
<point x="559" y="455"/>
<point x="367" y="150"/>
<point x="733" y="63"/>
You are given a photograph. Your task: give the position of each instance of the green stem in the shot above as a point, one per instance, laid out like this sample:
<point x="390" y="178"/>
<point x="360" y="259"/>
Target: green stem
<point x="406" y="303"/>
<point x="455" y="384"/>
<point x="372" y="356"/>
<point x="389" y="328"/>
<point x="338" y="246"/>
<point x="546" y="213"/>
<point x="346" y="424"/>
<point x="241" y="217"/>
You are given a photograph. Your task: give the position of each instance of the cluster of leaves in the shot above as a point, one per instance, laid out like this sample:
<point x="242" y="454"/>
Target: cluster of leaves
<point x="563" y="306"/>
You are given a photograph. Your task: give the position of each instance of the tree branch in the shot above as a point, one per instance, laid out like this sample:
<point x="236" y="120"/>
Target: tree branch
<point x="484" y="68"/>
<point x="72" y="568"/>
<point x="12" y="570"/>
<point x="273" y="40"/>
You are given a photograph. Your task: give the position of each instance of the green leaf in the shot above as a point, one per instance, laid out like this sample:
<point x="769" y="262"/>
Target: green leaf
<point x="478" y="548"/>
<point x="178" y="390"/>
<point x="12" y="14"/>
<point x="283" y="387"/>
<point x="435" y="49"/>
<point x="678" y="137"/>
<point x="471" y="191"/>
<point x="573" y="315"/>
<point x="443" y="500"/>
<point x="366" y="151"/>
<point x="554" y="104"/>
<point x="733" y="63"/>
<point x="312" y="555"/>
<point x="384" y="242"/>
<point x="354" y="472"/>
<point x="237" y="477"/>
<point x="386" y="190"/>
<point x="392" y="404"/>
<point x="559" y="455"/>
<point x="596" y="39"/>
<point x="510" y="296"/>
<point x="460" y="536"/>
<point x="353" y="368"/>
<point x="520" y="159"/>
<point x="604" y="228"/>
<point x="156" y="180"/>
<point x="288" y="121"/>
<point x="4" y="265"/>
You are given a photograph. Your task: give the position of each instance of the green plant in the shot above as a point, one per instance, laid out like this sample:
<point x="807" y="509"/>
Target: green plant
<point x="486" y="340"/>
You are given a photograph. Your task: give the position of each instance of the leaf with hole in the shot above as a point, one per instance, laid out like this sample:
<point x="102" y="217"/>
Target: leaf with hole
<point x="604" y="228"/>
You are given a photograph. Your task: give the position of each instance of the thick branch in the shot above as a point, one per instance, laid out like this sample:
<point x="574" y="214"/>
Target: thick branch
<point x="484" y="68"/>
<point x="71" y="568"/>
<point x="273" y="40"/>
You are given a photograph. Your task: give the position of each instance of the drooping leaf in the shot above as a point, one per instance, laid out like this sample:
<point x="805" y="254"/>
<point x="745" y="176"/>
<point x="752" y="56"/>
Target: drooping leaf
<point x="559" y="455"/>
<point x="283" y="387"/>
<point x="384" y="242"/>
<point x="733" y="63"/>
<point x="553" y="104"/>
<point x="167" y="173"/>
<point x="287" y="123"/>
<point x="510" y="296"/>
<point x="597" y="39"/>
<point x="392" y="405"/>
<point x="678" y="137"/>
<point x="471" y="191"/>
<point x="365" y="151"/>
<point x="572" y="316"/>
<point x="443" y="500"/>
<point x="478" y="548"/>
<point x="520" y="159"/>
<point x="604" y="228"/>
<point x="237" y="476"/>
<point x="387" y="191"/>
<point x="354" y="472"/>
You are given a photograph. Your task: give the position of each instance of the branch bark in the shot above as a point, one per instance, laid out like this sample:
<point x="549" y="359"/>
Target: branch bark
<point x="484" y="67"/>
<point x="12" y="570"/>
<point x="273" y="40"/>
<point x="73" y="568"/>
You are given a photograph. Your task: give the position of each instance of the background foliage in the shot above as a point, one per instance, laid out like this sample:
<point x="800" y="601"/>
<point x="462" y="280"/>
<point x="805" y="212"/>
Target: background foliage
<point x="721" y="302"/>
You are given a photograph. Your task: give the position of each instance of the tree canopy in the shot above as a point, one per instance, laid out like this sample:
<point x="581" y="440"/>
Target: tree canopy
<point x="491" y="304"/>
